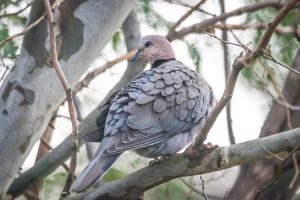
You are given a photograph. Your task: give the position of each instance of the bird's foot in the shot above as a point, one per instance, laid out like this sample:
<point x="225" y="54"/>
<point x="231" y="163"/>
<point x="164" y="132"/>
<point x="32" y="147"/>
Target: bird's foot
<point x="204" y="148"/>
<point x="158" y="159"/>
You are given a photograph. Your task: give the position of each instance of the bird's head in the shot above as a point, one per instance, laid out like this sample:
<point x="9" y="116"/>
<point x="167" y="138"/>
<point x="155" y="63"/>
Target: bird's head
<point x="152" y="48"/>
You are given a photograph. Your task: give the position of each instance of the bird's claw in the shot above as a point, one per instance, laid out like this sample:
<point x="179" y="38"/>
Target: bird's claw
<point x="158" y="159"/>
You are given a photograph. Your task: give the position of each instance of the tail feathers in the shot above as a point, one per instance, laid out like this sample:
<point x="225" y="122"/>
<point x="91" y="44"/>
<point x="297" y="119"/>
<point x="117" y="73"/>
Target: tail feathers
<point x="92" y="172"/>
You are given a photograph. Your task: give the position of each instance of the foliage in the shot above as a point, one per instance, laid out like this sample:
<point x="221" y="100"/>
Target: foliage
<point x="52" y="185"/>
<point x="195" y="54"/>
<point x="151" y="17"/>
<point x="9" y="49"/>
<point x="283" y="48"/>
<point x="116" y="40"/>
<point x="113" y="174"/>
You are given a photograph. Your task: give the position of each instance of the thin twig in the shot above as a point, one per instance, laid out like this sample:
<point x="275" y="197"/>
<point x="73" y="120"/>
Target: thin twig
<point x="226" y="72"/>
<point x="269" y="56"/>
<point x="15" y="13"/>
<point x="277" y="100"/>
<point x="68" y="91"/>
<point x="280" y="30"/>
<point x="274" y="155"/>
<point x="202" y="26"/>
<point x="6" y="69"/>
<point x="188" y="194"/>
<point x="91" y="75"/>
<point x="64" y="165"/>
<point x="238" y="65"/>
<point x="259" y="191"/>
<point x="186" y="15"/>
<point x="213" y="35"/>
<point x="281" y="96"/>
<point x="31" y="26"/>
<point x="296" y="174"/>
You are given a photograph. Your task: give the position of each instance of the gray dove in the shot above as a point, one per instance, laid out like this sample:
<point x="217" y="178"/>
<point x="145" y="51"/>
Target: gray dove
<point x="157" y="114"/>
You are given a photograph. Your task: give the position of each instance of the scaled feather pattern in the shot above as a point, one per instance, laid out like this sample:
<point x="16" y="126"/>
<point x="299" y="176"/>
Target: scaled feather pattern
<point x="157" y="114"/>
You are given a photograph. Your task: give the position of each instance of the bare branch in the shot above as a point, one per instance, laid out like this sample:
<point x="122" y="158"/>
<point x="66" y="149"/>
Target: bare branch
<point x="280" y="30"/>
<point x="91" y="75"/>
<point x="296" y="174"/>
<point x="269" y="56"/>
<point x="186" y="15"/>
<point x="274" y="155"/>
<point x="237" y="67"/>
<point x="31" y="26"/>
<point x="202" y="26"/>
<point x="15" y="13"/>
<point x="64" y="165"/>
<point x="68" y="91"/>
<point x="259" y="191"/>
<point x="226" y="72"/>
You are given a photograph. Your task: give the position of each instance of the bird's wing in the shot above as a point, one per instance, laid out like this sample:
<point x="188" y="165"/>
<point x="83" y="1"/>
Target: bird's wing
<point x="97" y="135"/>
<point x="159" y="103"/>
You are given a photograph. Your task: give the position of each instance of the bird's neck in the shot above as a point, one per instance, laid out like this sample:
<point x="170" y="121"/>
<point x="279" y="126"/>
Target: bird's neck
<point x="159" y="62"/>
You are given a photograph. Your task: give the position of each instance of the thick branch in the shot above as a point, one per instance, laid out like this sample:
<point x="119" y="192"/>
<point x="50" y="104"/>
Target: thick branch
<point x="193" y="163"/>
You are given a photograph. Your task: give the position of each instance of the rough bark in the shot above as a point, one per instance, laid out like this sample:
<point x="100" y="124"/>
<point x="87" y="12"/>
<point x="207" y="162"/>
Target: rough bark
<point x="32" y="92"/>
<point x="193" y="163"/>
<point x="54" y="159"/>
<point x="254" y="176"/>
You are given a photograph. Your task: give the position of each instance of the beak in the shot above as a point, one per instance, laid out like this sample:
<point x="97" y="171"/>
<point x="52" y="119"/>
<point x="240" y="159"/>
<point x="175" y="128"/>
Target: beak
<point x="136" y="56"/>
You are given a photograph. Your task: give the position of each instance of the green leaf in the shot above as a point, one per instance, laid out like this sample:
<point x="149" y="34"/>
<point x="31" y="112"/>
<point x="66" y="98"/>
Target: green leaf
<point x="10" y="48"/>
<point x="116" y="39"/>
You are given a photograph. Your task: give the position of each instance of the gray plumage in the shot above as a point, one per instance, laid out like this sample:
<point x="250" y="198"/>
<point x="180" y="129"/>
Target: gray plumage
<point x="156" y="114"/>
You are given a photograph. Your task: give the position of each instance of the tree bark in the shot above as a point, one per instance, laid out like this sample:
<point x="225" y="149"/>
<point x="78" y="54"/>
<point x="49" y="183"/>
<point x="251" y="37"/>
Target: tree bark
<point x="32" y="92"/>
<point x="253" y="176"/>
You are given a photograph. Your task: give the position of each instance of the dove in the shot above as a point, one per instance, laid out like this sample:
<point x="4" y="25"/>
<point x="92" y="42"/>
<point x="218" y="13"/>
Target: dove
<point x="157" y="114"/>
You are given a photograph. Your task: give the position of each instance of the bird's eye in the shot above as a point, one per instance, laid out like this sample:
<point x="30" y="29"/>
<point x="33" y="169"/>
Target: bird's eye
<point x="148" y="44"/>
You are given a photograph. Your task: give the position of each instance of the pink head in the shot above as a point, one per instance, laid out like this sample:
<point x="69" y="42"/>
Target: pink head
<point x="154" y="47"/>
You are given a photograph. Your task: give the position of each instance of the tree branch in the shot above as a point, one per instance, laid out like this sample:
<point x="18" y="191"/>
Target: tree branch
<point x="31" y="26"/>
<point x="202" y="26"/>
<point x="15" y="13"/>
<point x="280" y="30"/>
<point x="226" y="72"/>
<point x="194" y="163"/>
<point x="186" y="15"/>
<point x="68" y="91"/>
<point x="238" y="65"/>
